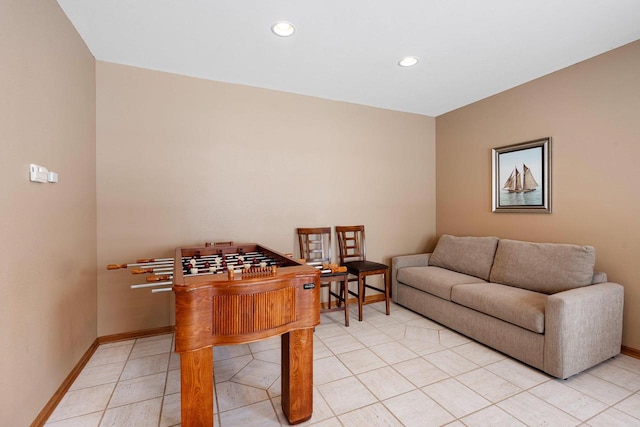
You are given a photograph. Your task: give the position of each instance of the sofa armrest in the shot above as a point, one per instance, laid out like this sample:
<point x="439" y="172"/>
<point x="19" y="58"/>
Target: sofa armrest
<point x="583" y="327"/>
<point x="418" y="260"/>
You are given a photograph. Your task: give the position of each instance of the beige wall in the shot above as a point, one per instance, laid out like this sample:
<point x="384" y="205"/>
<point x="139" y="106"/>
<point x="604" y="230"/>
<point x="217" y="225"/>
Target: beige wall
<point x="591" y="110"/>
<point x="48" y="231"/>
<point x="182" y="161"/>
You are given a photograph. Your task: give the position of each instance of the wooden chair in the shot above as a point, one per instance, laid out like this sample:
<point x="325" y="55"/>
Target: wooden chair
<point x="352" y="251"/>
<point x="315" y="248"/>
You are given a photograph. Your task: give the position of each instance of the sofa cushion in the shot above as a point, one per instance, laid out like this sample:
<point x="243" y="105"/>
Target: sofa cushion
<point x="434" y="280"/>
<point x="467" y="255"/>
<point x="599" y="277"/>
<point x="514" y="305"/>
<point x="543" y="267"/>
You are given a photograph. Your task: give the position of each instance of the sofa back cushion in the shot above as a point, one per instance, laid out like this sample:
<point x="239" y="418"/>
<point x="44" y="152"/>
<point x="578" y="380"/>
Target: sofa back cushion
<point x="467" y="255"/>
<point x="543" y="267"/>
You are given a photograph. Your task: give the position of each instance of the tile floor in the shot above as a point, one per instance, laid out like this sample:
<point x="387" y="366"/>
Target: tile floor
<point x="392" y="370"/>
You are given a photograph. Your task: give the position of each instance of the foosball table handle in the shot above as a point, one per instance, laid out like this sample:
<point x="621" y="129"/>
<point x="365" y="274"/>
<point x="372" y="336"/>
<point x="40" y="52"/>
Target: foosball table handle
<point x="158" y="278"/>
<point x="141" y="270"/>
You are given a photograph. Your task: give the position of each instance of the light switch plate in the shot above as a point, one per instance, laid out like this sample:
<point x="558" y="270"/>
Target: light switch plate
<point x="38" y="173"/>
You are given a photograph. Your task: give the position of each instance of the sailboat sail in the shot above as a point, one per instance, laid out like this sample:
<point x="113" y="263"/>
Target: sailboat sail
<point x="530" y="183"/>
<point x="510" y="183"/>
<point x="518" y="183"/>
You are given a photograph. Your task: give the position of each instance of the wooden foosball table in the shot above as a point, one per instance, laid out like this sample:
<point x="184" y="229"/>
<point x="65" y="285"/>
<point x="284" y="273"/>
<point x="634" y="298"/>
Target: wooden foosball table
<point x="234" y="294"/>
<point x="251" y="300"/>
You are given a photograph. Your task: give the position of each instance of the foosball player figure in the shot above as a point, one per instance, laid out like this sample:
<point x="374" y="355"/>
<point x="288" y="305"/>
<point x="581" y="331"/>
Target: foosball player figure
<point x="208" y="266"/>
<point x="192" y="265"/>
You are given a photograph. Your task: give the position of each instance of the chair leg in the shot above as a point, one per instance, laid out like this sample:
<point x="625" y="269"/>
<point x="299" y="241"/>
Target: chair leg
<point x="360" y="296"/>
<point x="344" y="290"/>
<point x="386" y="293"/>
<point x="364" y="288"/>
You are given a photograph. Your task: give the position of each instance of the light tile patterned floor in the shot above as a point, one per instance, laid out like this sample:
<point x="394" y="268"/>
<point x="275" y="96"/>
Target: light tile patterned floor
<point x="397" y="370"/>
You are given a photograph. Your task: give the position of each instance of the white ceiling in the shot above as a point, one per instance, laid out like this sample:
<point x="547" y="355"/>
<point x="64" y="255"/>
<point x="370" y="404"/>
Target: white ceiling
<point x="348" y="50"/>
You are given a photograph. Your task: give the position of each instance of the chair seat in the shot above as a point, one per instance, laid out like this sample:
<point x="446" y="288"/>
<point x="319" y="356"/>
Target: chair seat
<point x="338" y="275"/>
<point x="354" y="267"/>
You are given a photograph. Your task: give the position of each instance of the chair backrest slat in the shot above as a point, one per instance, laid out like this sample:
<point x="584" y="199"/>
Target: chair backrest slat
<point x="315" y="244"/>
<point x="351" y="243"/>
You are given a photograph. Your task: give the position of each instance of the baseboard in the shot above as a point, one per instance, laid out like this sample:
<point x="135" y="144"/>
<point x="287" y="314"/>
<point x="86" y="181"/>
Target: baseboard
<point x="136" y="334"/>
<point x="51" y="405"/>
<point x="630" y="352"/>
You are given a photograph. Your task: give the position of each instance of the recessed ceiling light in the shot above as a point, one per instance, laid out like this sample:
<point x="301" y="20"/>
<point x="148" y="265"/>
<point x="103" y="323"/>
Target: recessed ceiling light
<point x="283" y="29"/>
<point x="408" y="61"/>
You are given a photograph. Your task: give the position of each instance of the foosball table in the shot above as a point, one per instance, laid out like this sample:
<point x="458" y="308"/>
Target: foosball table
<point x="234" y="294"/>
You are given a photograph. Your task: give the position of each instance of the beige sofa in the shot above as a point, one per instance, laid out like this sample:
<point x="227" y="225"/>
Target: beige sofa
<point x="540" y="303"/>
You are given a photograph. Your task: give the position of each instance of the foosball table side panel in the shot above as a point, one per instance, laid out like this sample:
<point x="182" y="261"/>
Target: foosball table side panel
<point x="219" y="314"/>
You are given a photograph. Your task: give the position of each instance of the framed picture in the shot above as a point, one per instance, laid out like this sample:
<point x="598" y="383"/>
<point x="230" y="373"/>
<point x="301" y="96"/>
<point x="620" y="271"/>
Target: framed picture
<point x="521" y="177"/>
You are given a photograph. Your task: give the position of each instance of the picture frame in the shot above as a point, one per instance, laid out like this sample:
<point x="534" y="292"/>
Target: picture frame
<point x="521" y="177"/>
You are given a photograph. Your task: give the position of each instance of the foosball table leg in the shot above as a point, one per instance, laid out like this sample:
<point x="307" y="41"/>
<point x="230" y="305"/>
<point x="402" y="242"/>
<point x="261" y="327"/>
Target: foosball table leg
<point x="196" y="387"/>
<point x="297" y="375"/>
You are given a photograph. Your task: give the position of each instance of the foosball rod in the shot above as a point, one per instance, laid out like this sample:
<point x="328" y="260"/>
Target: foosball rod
<point x="146" y="263"/>
<point x="158" y="262"/>
<point x="138" y="264"/>
<point x="318" y="266"/>
<point x="151" y="285"/>
<point x="169" y="270"/>
<point x="160" y="278"/>
<point x="161" y="270"/>
<point x="199" y="264"/>
<point x="159" y="274"/>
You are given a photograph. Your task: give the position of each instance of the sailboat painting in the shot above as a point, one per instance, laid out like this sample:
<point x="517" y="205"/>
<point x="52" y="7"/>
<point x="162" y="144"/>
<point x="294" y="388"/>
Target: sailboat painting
<point x="521" y="177"/>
